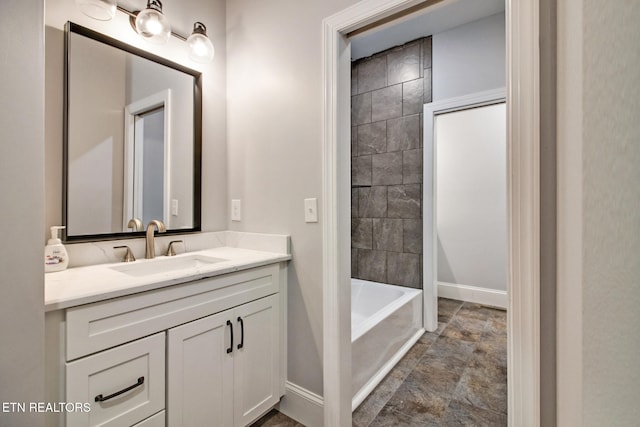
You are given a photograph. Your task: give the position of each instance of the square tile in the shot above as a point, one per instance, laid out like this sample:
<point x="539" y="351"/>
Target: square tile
<point x="362" y="233"/>
<point x="372" y="74"/>
<point x="403" y="63"/>
<point x="427" y="52"/>
<point x="361" y="170"/>
<point x="387" y="235"/>
<point x="361" y="109"/>
<point x="412" y="236"/>
<point x="372" y="202"/>
<point x="404" y="201"/>
<point x="412" y="97"/>
<point x="354" y="141"/>
<point x="412" y="166"/>
<point x="372" y="138"/>
<point x="372" y="265"/>
<point x="404" y="269"/>
<point x="403" y="133"/>
<point x="354" y="202"/>
<point x="354" y="262"/>
<point x="483" y="392"/>
<point x="461" y="413"/>
<point x="386" y="103"/>
<point x="427" y="91"/>
<point x="354" y="79"/>
<point x="386" y="169"/>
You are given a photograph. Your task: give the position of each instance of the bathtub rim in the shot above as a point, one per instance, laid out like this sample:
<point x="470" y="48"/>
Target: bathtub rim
<point x="384" y="312"/>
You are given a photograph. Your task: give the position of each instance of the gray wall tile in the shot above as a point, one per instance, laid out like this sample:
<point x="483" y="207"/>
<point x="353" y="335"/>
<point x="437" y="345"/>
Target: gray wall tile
<point x="412" y="166"/>
<point x="354" y="262"/>
<point x="412" y="236"/>
<point x="372" y="202"/>
<point x="388" y="234"/>
<point x="354" y="141"/>
<point x="372" y="265"/>
<point x="361" y="109"/>
<point x="403" y="64"/>
<point x="386" y="168"/>
<point x="362" y="233"/>
<point x="354" y="80"/>
<point x="428" y="94"/>
<point x="386" y="103"/>
<point x="403" y="269"/>
<point x="354" y="203"/>
<point x="426" y="52"/>
<point x="372" y="138"/>
<point x="372" y="74"/>
<point x="412" y="97"/>
<point x="404" y="201"/>
<point x="361" y="170"/>
<point x="403" y="133"/>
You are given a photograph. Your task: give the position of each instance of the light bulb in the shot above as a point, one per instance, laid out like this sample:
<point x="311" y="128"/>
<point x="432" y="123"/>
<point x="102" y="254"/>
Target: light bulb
<point x="151" y="23"/>
<point x="200" y="47"/>
<point x="102" y="10"/>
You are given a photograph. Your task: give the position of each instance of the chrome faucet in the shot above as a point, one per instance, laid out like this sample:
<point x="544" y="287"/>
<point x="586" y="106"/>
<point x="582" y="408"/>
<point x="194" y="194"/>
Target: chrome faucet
<point x="150" y="250"/>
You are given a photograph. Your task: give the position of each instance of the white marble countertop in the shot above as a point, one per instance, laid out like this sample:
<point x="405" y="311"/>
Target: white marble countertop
<point x="84" y="285"/>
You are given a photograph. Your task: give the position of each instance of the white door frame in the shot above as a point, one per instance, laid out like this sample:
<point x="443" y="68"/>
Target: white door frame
<point x="429" y="191"/>
<point x="523" y="140"/>
<point x="132" y="181"/>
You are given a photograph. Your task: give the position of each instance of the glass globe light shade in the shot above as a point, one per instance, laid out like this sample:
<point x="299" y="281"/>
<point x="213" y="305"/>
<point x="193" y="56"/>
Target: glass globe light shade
<point x="102" y="10"/>
<point x="152" y="25"/>
<point x="200" y="47"/>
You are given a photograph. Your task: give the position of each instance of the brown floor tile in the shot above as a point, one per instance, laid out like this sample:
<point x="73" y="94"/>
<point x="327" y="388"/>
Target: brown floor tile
<point x="415" y="399"/>
<point x="465" y="329"/>
<point x="390" y="418"/>
<point x="276" y="419"/>
<point x="477" y="389"/>
<point x="447" y="308"/>
<point x="451" y="347"/>
<point x="462" y="414"/>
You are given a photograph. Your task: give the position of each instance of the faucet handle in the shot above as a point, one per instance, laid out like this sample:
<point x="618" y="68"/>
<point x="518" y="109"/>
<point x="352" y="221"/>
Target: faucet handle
<point x="171" y="249"/>
<point x="128" y="256"/>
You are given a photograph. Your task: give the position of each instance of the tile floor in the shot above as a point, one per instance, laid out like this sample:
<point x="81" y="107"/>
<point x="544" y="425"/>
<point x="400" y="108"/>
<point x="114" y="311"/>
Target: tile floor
<point x="456" y="376"/>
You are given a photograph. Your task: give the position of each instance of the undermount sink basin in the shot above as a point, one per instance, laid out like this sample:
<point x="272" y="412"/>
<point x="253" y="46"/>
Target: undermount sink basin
<point x="166" y="264"/>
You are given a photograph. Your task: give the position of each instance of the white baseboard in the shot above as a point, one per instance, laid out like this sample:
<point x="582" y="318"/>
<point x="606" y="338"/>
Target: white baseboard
<point x="302" y="405"/>
<point x="484" y="296"/>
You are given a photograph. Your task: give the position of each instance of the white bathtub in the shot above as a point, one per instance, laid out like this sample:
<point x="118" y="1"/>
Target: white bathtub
<point x="386" y="320"/>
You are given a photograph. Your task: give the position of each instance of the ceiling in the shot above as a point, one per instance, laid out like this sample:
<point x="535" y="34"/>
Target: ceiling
<point x="432" y="20"/>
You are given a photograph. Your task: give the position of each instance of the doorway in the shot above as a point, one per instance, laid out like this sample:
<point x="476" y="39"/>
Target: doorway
<point x="523" y="208"/>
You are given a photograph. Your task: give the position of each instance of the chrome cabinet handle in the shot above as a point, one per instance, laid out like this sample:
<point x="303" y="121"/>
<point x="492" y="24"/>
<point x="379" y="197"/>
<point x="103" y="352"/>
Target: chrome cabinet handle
<point x="100" y="398"/>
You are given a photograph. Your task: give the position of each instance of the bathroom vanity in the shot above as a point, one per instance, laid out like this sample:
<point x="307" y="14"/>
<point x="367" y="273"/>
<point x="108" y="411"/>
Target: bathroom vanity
<point x="191" y="340"/>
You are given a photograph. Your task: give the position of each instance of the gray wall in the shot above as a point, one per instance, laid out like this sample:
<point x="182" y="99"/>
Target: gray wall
<point x="22" y="213"/>
<point x="388" y="90"/>
<point x="611" y="213"/>
<point x="469" y="58"/>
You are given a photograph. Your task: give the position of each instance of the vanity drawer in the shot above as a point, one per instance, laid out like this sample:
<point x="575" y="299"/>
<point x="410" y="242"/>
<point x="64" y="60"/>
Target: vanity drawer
<point x="98" y="326"/>
<point x="157" y="420"/>
<point x="124" y="385"/>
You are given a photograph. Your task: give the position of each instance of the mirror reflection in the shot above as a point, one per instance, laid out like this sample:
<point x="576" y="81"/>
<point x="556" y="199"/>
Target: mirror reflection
<point x="132" y="139"/>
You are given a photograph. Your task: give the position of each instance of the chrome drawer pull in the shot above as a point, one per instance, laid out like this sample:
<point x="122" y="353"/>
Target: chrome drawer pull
<point x="99" y="397"/>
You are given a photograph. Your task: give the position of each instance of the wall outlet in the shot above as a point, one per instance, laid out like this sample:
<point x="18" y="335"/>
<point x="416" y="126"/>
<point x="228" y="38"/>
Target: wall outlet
<point x="174" y="207"/>
<point x="236" y="210"/>
<point x="311" y="210"/>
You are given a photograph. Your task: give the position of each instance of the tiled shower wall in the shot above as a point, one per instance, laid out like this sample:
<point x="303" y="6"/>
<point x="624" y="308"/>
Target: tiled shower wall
<point x="388" y="90"/>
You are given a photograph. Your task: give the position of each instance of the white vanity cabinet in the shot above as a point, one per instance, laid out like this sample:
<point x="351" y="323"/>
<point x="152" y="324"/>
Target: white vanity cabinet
<point x="223" y="369"/>
<point x="167" y="356"/>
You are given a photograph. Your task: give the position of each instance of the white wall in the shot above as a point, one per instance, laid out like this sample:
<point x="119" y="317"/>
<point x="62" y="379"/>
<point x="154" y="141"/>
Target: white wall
<point x="22" y="213"/>
<point x="472" y="197"/>
<point x="274" y="142"/>
<point x="469" y="58"/>
<point x="182" y="15"/>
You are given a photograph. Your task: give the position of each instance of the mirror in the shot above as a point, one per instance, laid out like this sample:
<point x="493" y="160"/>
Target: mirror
<point x="132" y="143"/>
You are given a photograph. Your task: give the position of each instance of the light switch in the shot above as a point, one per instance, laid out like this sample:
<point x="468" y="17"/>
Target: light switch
<point x="311" y="210"/>
<point x="174" y="207"/>
<point x="236" y="210"/>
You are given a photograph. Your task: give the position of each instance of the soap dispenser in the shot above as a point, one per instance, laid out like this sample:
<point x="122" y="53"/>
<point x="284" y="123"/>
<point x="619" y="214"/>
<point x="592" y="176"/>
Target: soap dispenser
<point x="55" y="255"/>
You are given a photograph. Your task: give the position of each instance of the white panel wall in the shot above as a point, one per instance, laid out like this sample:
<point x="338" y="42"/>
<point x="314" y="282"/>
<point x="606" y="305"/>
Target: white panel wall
<point x="22" y="213"/>
<point x="275" y="139"/>
<point x="471" y="197"/>
<point x="469" y="58"/>
<point x="182" y="15"/>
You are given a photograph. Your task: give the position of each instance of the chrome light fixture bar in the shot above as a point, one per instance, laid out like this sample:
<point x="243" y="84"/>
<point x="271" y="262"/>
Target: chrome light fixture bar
<point x="152" y="25"/>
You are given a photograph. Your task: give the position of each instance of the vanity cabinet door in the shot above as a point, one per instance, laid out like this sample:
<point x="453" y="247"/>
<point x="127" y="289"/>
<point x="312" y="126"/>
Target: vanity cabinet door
<point x="256" y="356"/>
<point x="200" y="373"/>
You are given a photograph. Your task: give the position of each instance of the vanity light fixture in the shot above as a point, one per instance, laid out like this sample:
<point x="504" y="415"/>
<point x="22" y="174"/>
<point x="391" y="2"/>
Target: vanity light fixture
<point x="152" y="25"/>
<point x="102" y="10"/>
<point x="200" y="47"/>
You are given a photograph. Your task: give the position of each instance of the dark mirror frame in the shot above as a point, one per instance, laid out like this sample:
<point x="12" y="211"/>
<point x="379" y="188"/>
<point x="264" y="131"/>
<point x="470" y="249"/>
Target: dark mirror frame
<point x="71" y="27"/>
